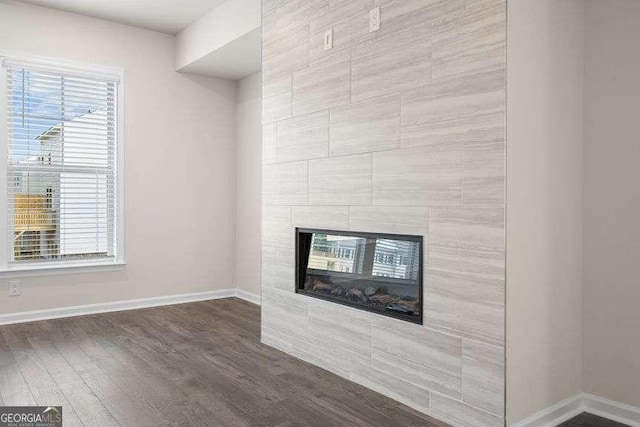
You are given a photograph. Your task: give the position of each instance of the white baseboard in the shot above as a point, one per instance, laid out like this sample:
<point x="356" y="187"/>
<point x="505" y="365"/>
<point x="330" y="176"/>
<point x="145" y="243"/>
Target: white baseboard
<point x="555" y="414"/>
<point x="79" y="310"/>
<point x="584" y="402"/>
<point x="610" y="409"/>
<point x="248" y="296"/>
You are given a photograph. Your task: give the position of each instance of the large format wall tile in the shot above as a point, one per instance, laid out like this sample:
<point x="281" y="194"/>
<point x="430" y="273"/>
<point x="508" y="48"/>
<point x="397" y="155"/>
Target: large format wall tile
<point x="465" y="318"/>
<point x="285" y="49"/>
<point x="304" y="137"/>
<point x="342" y="180"/>
<point x="276" y="223"/>
<point x="337" y="358"/>
<point x="465" y="260"/>
<point x="403" y="14"/>
<point x="333" y="326"/>
<point x="366" y="127"/>
<point x="483" y="177"/>
<point x="278" y="268"/>
<point x="483" y="376"/>
<point x="465" y="286"/>
<point x="428" y="377"/>
<point x="468" y="240"/>
<point x="390" y="219"/>
<point x="386" y="65"/>
<point x="460" y="414"/>
<point x="467" y="110"/>
<point x="424" y="176"/>
<point x="280" y="40"/>
<point x="268" y="7"/>
<point x="276" y="98"/>
<point x="325" y="84"/>
<point x="294" y="12"/>
<point x="394" y="387"/>
<point x="417" y="344"/>
<point x="473" y="43"/>
<point x="275" y="302"/>
<point x="325" y="217"/>
<point x="284" y="184"/>
<point x="269" y="141"/>
<point x="349" y="20"/>
<point x="401" y="130"/>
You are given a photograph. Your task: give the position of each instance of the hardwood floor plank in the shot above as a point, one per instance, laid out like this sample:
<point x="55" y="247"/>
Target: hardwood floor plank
<point x="589" y="420"/>
<point x="13" y="388"/>
<point x="85" y="404"/>
<point x="126" y="411"/>
<point x="196" y="364"/>
<point x="44" y="389"/>
<point x="6" y="355"/>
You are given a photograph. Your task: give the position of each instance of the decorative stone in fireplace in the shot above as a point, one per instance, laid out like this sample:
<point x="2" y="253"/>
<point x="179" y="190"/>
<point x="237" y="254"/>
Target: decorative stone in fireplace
<point x="380" y="273"/>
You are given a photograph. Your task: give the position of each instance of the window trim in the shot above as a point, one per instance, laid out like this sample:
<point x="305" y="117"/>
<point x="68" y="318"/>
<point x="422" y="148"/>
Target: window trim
<point x="63" y="267"/>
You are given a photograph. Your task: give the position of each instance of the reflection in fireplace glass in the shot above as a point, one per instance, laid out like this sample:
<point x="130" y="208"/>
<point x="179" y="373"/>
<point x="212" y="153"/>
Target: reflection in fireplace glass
<point x="375" y="272"/>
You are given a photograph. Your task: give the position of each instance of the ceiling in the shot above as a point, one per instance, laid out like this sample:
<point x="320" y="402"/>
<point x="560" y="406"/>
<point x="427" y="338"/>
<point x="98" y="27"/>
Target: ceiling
<point x="167" y="16"/>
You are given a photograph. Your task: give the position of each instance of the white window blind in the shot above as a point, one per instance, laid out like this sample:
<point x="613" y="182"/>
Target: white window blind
<point x="61" y="166"/>
<point x="398" y="259"/>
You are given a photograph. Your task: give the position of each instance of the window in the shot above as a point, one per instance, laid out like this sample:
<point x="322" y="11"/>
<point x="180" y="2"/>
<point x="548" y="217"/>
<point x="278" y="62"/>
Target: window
<point x="60" y="154"/>
<point x="398" y="259"/>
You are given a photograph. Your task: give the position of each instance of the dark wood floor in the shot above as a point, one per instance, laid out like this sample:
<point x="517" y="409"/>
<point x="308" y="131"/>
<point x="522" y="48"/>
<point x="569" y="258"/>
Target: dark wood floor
<point x="590" y="420"/>
<point x="198" y="364"/>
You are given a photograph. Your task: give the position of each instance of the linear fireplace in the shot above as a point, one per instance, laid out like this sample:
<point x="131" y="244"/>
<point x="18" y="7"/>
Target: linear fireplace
<point x="381" y="273"/>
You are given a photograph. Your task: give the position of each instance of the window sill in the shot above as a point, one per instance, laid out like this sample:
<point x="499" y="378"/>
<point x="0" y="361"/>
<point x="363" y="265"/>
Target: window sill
<point x="56" y="270"/>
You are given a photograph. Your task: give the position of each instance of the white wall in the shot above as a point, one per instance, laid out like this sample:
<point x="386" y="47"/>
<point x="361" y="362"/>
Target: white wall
<point x="544" y="204"/>
<point x="248" y="183"/>
<point x="225" y="23"/>
<point x="612" y="200"/>
<point x="179" y="137"/>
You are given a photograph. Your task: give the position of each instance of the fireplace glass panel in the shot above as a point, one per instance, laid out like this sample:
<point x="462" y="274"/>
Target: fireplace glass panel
<point x="375" y="272"/>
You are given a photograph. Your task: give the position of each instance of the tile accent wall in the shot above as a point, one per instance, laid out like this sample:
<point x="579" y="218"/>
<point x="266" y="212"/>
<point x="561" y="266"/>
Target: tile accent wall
<point x="399" y="131"/>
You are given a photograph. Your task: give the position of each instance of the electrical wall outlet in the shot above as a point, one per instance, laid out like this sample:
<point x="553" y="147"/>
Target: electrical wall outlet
<point x="15" y="288"/>
<point x="374" y="20"/>
<point x="328" y="39"/>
